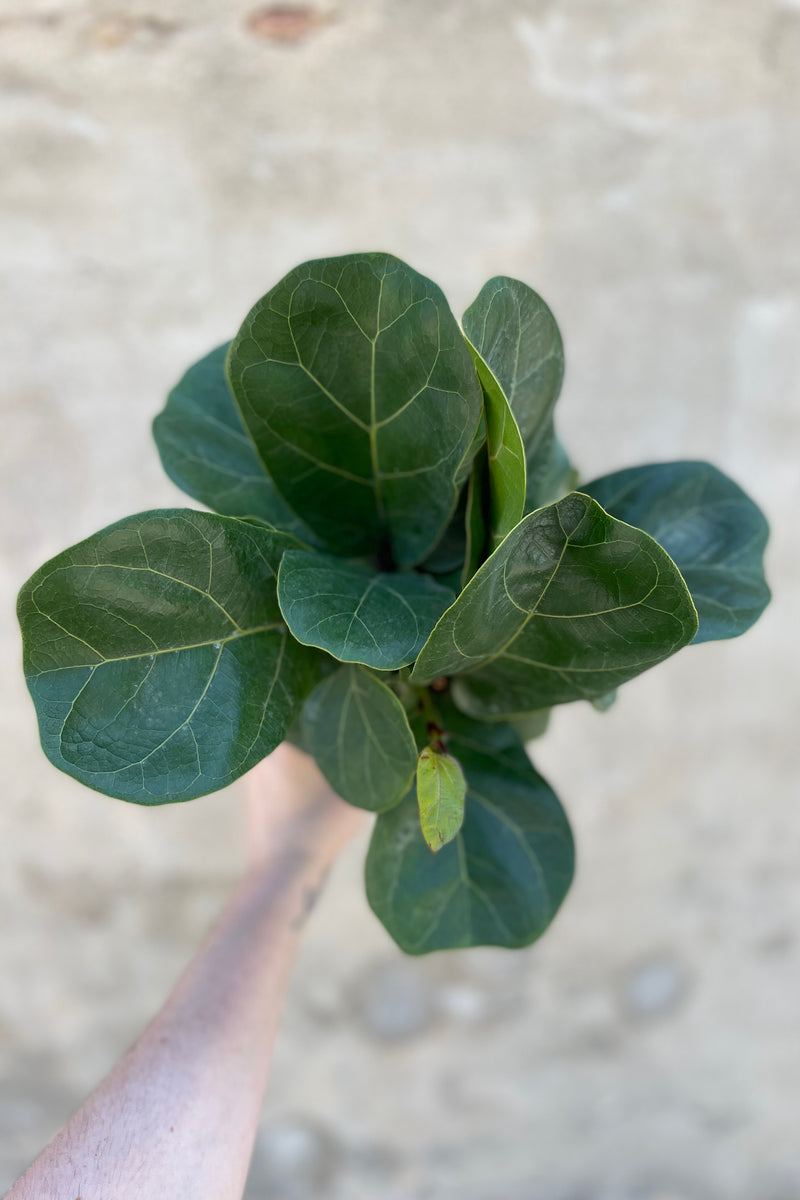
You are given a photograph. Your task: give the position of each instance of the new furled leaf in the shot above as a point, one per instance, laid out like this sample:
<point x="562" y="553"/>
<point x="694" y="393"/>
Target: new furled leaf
<point x="517" y="337"/>
<point x="356" y="613"/>
<point x="476" y="516"/>
<point x="501" y="880"/>
<point x="711" y="528"/>
<point x="207" y="452"/>
<point x="157" y="657"/>
<point x="357" y="731"/>
<point x="506" y="457"/>
<point x="571" y="605"/>
<point x="367" y="350"/>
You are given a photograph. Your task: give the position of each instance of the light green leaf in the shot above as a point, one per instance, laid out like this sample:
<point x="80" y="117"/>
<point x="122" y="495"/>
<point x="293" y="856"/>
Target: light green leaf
<point x="711" y="528"/>
<point x="441" y="789"/>
<point x="157" y="656"/>
<point x="371" y="355"/>
<point x="207" y="452"/>
<point x="357" y="731"/>
<point x="501" y="880"/>
<point x="356" y="613"/>
<point x="571" y="605"/>
<point x="516" y="335"/>
<point x="477" y="516"/>
<point x="506" y="456"/>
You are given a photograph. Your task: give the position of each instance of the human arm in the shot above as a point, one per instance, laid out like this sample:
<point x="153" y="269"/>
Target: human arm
<point x="177" y="1116"/>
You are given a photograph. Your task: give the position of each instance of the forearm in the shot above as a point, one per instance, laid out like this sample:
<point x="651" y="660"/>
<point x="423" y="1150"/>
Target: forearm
<point x="178" y="1114"/>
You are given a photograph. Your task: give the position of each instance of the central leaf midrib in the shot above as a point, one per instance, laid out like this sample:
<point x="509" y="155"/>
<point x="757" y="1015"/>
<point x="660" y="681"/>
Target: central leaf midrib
<point x="373" y="423"/>
<point x="217" y="641"/>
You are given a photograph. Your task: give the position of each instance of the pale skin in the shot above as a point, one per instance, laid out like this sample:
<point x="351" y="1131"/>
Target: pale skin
<point x="177" y="1116"/>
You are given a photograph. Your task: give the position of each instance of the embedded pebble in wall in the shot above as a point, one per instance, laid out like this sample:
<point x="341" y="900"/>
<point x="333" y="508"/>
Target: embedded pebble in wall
<point x="322" y="1000"/>
<point x="293" y="1158"/>
<point x="394" y="1001"/>
<point x="115" y="30"/>
<point x="654" y="988"/>
<point x="285" y="23"/>
<point x="464" y="1003"/>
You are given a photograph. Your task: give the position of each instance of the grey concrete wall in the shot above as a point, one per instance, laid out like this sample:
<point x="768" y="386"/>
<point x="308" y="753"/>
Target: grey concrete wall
<point x="163" y="164"/>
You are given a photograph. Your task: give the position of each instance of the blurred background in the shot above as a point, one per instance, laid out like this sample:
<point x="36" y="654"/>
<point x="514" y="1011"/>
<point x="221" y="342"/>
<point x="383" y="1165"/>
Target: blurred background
<point x="164" y="164"/>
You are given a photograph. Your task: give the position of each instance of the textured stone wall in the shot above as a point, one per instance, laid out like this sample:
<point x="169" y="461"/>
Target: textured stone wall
<point x="163" y="164"/>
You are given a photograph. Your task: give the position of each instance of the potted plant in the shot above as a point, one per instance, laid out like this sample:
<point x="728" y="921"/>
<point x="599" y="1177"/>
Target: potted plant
<point x="402" y="572"/>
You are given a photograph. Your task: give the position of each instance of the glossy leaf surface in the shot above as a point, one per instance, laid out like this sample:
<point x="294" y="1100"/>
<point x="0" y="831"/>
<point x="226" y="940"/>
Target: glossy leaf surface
<point x="358" y="614"/>
<point x="367" y="350"/>
<point x="358" y="732"/>
<point x="441" y="789"/>
<point x="503" y="877"/>
<point x="157" y="656"/>
<point x="571" y="605"/>
<point x="207" y="452"/>
<point x="710" y="527"/>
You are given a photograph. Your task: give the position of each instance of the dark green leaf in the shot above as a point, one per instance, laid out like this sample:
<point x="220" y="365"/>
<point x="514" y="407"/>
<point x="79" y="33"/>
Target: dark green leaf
<point x="370" y="354"/>
<point x="358" y="732"/>
<point x="550" y="473"/>
<point x="501" y="880"/>
<point x="451" y="580"/>
<point x="441" y="789"/>
<point x="157" y="656"/>
<point x="294" y="735"/>
<point x="572" y="604"/>
<point x="448" y="554"/>
<point x="710" y="527"/>
<point x="356" y="613"/>
<point x="532" y="725"/>
<point x="506" y="456"/>
<point x="207" y="452"/>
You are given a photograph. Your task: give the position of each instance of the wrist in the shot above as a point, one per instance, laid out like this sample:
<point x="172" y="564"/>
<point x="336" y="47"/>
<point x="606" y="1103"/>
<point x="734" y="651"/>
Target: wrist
<point x="294" y="815"/>
<point x="282" y="887"/>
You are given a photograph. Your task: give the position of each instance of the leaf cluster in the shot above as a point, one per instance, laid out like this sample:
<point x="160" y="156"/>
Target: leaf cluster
<point x="400" y="572"/>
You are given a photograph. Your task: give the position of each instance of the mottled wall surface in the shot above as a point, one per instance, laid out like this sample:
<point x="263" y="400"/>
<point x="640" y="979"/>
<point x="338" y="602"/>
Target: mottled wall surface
<point x="638" y="163"/>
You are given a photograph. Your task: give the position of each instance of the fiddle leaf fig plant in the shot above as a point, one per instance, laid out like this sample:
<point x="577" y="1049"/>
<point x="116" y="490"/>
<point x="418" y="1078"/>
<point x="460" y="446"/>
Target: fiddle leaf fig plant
<point x="401" y="572"/>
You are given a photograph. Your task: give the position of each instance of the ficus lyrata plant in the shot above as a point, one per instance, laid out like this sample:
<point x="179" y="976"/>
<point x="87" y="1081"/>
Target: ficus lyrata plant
<point x="401" y="572"/>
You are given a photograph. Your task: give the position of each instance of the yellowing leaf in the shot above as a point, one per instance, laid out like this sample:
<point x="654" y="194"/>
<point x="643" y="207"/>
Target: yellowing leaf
<point x="441" y="789"/>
